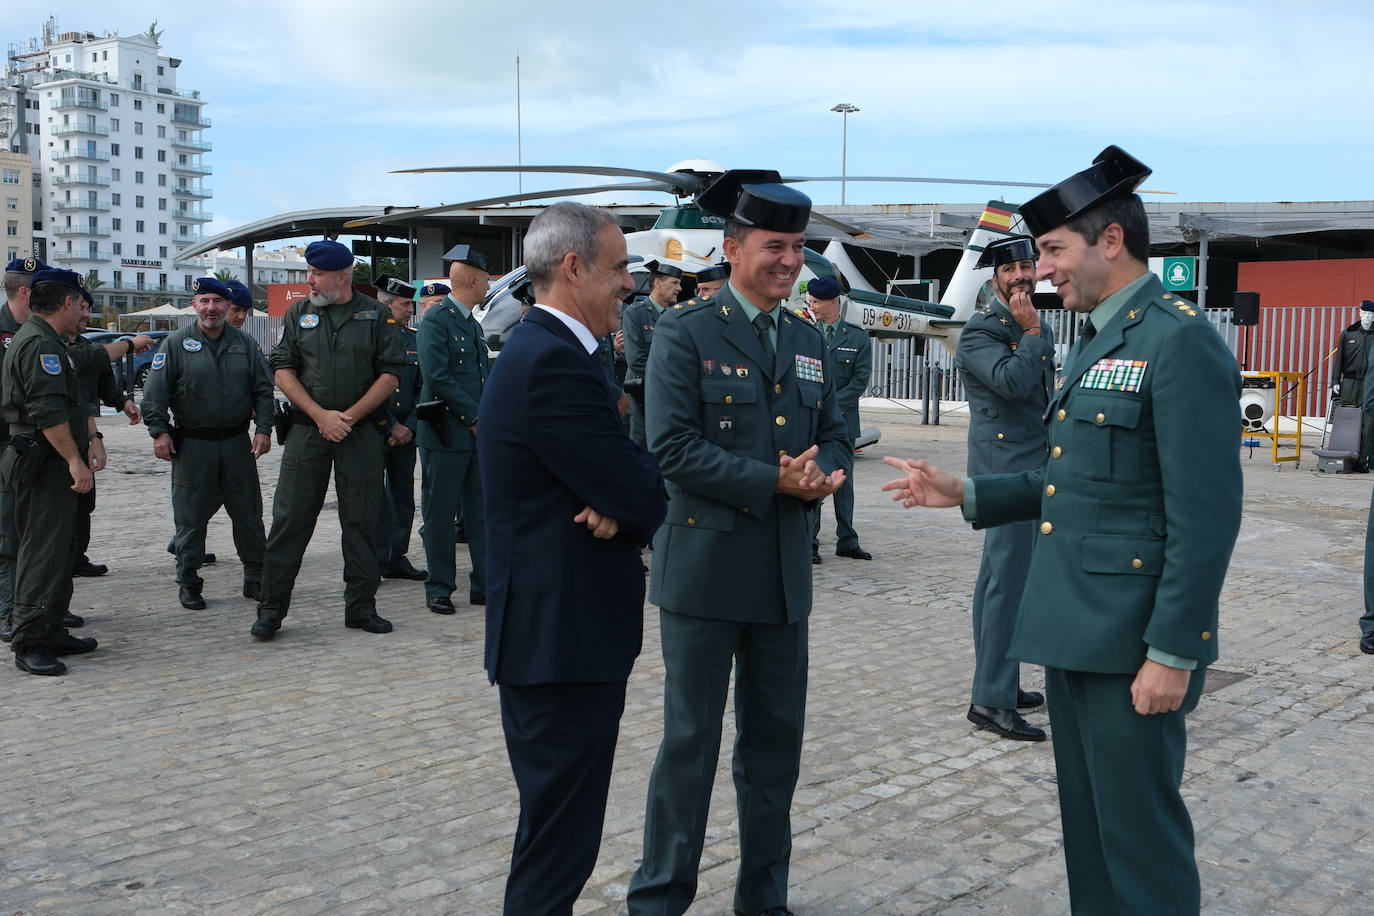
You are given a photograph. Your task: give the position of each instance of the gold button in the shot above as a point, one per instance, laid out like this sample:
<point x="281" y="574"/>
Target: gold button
<point x="777" y="389"/>
<point x="1206" y="635"/>
<point x="1057" y="451"/>
<point x="1046" y="527"/>
<point x="818" y="405"/>
<point x="1061" y="415"/>
<point x="691" y="521"/>
<point x="1101" y="417"/>
<point x="729" y="399"/>
<point x="745" y="510"/>
<point x="781" y="421"/>
<point x="1049" y="491"/>
<point x="1168" y="296"/>
<point x="1000" y="436"/>
<point x="1137" y="563"/>
<point x="782" y="453"/>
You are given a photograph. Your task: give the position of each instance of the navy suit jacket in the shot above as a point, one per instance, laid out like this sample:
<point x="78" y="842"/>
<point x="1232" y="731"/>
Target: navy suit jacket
<point x="562" y="606"/>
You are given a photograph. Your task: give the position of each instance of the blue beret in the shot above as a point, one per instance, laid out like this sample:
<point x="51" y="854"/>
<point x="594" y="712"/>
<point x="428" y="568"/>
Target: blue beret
<point x="240" y="295"/>
<point x="68" y="278"/>
<point x="434" y="289"/>
<point x="86" y="294"/>
<point x="1367" y="306"/>
<point x="207" y="286"/>
<point x="328" y="255"/>
<point x="823" y="288"/>
<point x="29" y="265"/>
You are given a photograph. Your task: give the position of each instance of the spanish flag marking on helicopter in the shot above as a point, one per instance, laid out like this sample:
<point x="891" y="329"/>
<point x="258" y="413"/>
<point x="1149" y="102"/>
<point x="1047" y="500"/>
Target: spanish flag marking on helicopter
<point x="995" y="219"/>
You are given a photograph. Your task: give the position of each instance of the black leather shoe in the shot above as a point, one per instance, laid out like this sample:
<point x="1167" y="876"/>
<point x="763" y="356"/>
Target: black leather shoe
<point x="252" y="590"/>
<point x="6" y="632"/>
<point x="477" y="599"/>
<point x="1029" y="699"/>
<point x="402" y="569"/>
<point x="373" y="624"/>
<point x="1005" y="722"/>
<point x="209" y="560"/>
<point x="1367" y="644"/>
<point x="172" y="546"/>
<point x="771" y="911"/>
<point x="264" y="628"/>
<point x="67" y="644"/>
<point x="190" y="598"/>
<point x="441" y="606"/>
<point x="815" y="558"/>
<point x="854" y="553"/>
<point x="38" y="660"/>
<point x="90" y="570"/>
<point x="72" y="621"/>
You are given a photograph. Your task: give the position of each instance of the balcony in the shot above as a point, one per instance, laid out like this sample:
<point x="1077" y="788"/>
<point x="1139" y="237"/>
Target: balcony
<point x="68" y="102"/>
<point x="191" y="96"/>
<point x="76" y="180"/>
<point x="135" y="287"/>
<point x="87" y="156"/>
<point x="203" y="146"/>
<point x="186" y="117"/>
<point x="72" y="130"/>
<point x="184" y="216"/>
<point x="98" y="206"/>
<point x="192" y="168"/>
<point x="197" y="193"/>
<point x="74" y="257"/>
<point x="78" y="230"/>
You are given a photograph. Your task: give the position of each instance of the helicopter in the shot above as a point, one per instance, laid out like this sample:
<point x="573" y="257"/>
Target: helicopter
<point x="691" y="239"/>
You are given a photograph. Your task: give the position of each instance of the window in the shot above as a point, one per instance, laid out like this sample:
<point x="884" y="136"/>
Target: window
<point x="138" y="152"/>
<point x="138" y="227"/>
<point x="114" y="149"/>
<point x="93" y="57"/>
<point x="117" y="224"/>
<point x="162" y="230"/>
<point x="114" y="103"/>
<point x="184" y="231"/>
<point x="161" y="108"/>
<point x="114" y="123"/>
<point x="118" y="274"/>
<point x="11" y="203"/>
<point x="138" y="251"/>
<point x="162" y="250"/>
<point x="181" y="134"/>
<point x="162" y="130"/>
<point x="162" y="181"/>
<point x="114" y="174"/>
<point x="104" y="55"/>
<point x="11" y="228"/>
<point x="138" y="104"/>
<point x="138" y="178"/>
<point x="159" y="70"/>
<point x="162" y="280"/>
<point x="115" y="199"/>
<point x="162" y="155"/>
<point x="162" y="203"/>
<point x="138" y="201"/>
<point x="10" y="176"/>
<point x="117" y="248"/>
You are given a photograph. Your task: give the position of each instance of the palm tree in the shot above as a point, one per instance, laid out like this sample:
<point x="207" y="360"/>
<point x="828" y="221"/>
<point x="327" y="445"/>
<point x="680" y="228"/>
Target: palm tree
<point x="224" y="276"/>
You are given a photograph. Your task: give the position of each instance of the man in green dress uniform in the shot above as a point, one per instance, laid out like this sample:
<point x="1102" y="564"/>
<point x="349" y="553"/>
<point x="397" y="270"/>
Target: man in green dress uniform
<point x="337" y="363"/>
<point x="45" y="467"/>
<point x="1006" y="359"/>
<point x="453" y="366"/>
<point x="850" y="353"/>
<point x="1137" y="510"/>
<point x="206" y="385"/>
<point x="637" y="324"/>
<point x="743" y="419"/>
<point x="398" y="499"/>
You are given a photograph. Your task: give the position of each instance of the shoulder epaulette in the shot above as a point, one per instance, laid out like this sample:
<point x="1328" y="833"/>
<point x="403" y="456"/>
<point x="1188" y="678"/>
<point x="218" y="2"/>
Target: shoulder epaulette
<point x="1177" y="305"/>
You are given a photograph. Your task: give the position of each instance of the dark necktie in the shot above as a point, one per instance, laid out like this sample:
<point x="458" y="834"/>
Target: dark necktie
<point x="829" y="333"/>
<point x="763" y="323"/>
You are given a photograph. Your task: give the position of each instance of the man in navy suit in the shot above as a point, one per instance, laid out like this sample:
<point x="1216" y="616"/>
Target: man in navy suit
<point x="570" y="501"/>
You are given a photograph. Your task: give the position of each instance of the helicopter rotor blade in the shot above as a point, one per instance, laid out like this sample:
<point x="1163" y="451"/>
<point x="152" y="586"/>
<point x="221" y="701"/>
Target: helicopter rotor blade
<point x="851" y="231"/>
<point x="687" y="182"/>
<point x="400" y="216"/>
<point x="913" y="180"/>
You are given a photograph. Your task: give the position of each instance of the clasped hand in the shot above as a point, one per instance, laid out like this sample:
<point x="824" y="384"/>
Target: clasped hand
<point x="803" y="478"/>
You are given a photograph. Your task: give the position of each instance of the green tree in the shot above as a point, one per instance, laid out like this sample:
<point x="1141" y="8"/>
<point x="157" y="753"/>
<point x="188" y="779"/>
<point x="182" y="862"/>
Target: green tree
<point x="386" y="267"/>
<point x="224" y="276"/>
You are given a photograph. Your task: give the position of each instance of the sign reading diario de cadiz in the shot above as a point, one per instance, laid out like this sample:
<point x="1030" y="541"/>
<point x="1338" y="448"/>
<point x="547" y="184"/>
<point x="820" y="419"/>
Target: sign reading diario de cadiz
<point x="140" y="263"/>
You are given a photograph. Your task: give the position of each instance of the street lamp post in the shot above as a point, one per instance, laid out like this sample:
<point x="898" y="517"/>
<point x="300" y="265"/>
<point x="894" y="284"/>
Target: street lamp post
<point x="845" y="109"/>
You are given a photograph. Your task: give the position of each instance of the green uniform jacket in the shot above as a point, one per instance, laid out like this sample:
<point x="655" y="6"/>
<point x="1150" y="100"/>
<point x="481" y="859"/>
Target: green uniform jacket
<point x="718" y="423"/>
<point x="851" y="361"/>
<point x="97" y="376"/>
<point x="1009" y="377"/>
<point x="638" y="322"/>
<point x="400" y="407"/>
<point x="41" y="387"/>
<point x="204" y="386"/>
<point x="1139" y="502"/>
<point x="337" y="367"/>
<point x="8" y="328"/>
<point x="453" y="364"/>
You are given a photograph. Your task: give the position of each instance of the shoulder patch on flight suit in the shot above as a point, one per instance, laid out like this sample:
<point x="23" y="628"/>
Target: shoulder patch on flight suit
<point x="159" y="360"/>
<point x="50" y="363"/>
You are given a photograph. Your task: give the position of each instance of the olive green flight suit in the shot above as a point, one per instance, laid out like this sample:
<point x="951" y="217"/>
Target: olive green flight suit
<point x="398" y="498"/>
<point x="41" y="389"/>
<point x="9" y="539"/>
<point x="337" y="365"/>
<point x="97" y="386"/>
<point x="203" y="392"/>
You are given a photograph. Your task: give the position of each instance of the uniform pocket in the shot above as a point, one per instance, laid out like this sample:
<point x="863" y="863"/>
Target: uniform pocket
<point x="1105" y="436"/>
<point x="729" y="412"/>
<point x="1123" y="554"/>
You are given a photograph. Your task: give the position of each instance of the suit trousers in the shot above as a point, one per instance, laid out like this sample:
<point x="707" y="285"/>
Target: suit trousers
<point x="770" y="709"/>
<point x="301" y="487"/>
<point x="1128" y="840"/>
<point x="561" y="742"/>
<point x="398" y="504"/>
<point x="452" y="487"/>
<point x="207" y="474"/>
<point x="996" y="596"/>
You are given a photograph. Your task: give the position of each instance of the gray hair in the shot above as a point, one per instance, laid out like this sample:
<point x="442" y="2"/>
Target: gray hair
<point x="564" y="227"/>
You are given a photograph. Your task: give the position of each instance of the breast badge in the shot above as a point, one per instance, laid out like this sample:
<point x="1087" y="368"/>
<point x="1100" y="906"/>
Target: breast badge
<point x="191" y="345"/>
<point x="310" y="321"/>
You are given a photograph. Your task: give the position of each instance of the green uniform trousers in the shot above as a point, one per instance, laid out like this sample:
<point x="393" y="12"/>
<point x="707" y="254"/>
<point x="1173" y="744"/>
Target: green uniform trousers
<point x="1128" y="840"/>
<point x="846" y="538"/>
<point x="206" y="475"/>
<point x="452" y="487"/>
<point x="770" y="710"/>
<point x="996" y="596"/>
<point x="45" y="523"/>
<point x="398" y="504"/>
<point x="301" y="488"/>
<point x="9" y="545"/>
<point x="1366" y="619"/>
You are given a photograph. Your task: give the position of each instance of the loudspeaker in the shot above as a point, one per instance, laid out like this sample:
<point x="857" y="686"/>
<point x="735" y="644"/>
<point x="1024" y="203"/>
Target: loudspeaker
<point x="1245" y="309"/>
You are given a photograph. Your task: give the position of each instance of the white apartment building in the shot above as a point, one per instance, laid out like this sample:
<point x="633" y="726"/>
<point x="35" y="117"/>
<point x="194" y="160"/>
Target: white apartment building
<point x="16" y="196"/>
<point x="117" y="154"/>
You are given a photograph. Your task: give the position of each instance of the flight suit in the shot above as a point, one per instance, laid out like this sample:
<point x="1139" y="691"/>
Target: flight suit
<point x="398" y="498"/>
<point x="453" y="366"/>
<point x="9" y="539"/>
<point x="732" y="574"/>
<point x="337" y="362"/>
<point x="204" y="392"/>
<point x="850" y="352"/>
<point x="638" y="322"/>
<point x="1008" y="376"/>
<point x="1137" y="509"/>
<point x="41" y="389"/>
<point x="98" y="386"/>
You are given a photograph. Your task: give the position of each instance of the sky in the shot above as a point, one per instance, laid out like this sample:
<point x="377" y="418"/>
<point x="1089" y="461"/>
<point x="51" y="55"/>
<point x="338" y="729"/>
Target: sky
<point x="314" y="103"/>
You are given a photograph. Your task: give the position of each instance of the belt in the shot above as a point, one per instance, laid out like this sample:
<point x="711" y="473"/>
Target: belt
<point x="214" y="433"/>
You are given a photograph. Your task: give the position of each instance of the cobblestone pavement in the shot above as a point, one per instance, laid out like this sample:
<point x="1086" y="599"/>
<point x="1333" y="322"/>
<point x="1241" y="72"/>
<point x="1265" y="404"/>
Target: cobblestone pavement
<point x="184" y="768"/>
